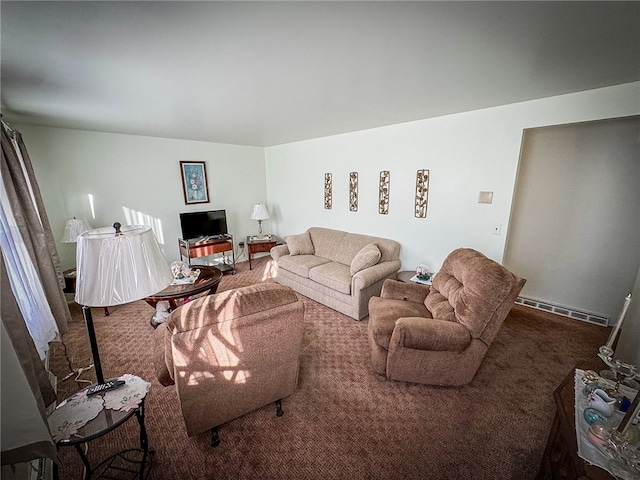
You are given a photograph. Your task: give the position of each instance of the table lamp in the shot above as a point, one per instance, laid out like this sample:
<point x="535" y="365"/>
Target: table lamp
<point x="259" y="213"/>
<point x="73" y="227"/>
<point x="117" y="265"/>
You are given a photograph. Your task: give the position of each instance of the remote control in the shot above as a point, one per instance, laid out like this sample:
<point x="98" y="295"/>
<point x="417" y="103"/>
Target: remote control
<point x="102" y="387"/>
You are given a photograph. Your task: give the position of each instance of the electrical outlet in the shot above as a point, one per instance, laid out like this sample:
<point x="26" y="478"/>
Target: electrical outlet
<point x="241" y="244"/>
<point x="497" y="227"/>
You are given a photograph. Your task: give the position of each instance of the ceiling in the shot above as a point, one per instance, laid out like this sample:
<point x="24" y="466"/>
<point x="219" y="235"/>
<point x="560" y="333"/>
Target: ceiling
<point x="267" y="73"/>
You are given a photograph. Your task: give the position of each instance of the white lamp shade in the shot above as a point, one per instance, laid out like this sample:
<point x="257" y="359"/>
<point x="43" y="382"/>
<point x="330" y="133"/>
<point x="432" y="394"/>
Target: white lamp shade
<point x="115" y="269"/>
<point x="259" y="212"/>
<point x="74" y="227"/>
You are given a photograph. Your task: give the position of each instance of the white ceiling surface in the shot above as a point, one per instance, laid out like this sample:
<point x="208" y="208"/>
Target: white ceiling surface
<point x="267" y="73"/>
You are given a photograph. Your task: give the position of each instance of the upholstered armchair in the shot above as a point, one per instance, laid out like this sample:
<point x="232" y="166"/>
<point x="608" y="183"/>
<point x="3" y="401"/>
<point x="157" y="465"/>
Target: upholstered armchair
<point x="439" y="335"/>
<point x="231" y="353"/>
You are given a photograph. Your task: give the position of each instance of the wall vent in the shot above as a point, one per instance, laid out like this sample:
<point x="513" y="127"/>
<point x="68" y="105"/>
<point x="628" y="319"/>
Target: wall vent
<point x="565" y="311"/>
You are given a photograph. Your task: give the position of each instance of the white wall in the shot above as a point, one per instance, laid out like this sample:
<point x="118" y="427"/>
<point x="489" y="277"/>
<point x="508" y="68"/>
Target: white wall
<point x="466" y="153"/>
<point x="136" y="179"/>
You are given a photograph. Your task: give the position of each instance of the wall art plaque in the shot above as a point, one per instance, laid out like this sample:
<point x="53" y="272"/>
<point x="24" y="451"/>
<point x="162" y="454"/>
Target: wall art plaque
<point x="422" y="193"/>
<point x="383" y="195"/>
<point x="353" y="191"/>
<point x="328" y="191"/>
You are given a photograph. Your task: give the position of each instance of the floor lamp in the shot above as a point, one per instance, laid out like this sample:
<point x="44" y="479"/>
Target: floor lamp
<point x="117" y="265"/>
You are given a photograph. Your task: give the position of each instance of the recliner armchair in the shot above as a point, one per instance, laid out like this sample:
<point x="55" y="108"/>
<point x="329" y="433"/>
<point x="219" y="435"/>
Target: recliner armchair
<point x="231" y="353"/>
<point x="439" y="335"/>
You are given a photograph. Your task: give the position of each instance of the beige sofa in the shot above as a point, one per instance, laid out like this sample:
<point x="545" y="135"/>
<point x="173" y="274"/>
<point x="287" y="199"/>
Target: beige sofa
<point x="338" y="269"/>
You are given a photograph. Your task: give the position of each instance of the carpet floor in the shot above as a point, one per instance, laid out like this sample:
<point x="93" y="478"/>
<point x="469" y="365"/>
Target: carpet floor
<point x="344" y="421"/>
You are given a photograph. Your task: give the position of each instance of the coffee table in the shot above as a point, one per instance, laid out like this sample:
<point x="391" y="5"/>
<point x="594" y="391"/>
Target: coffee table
<point x="174" y="294"/>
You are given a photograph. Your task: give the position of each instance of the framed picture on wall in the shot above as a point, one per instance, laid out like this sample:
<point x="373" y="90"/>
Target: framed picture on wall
<point x="194" y="182"/>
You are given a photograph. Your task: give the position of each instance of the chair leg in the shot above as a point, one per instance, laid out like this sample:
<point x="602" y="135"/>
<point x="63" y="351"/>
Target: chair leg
<point x="215" y="439"/>
<point x="279" y="411"/>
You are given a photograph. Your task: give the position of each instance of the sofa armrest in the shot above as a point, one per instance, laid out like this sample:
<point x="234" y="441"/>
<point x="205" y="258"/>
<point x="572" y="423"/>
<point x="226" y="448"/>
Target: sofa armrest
<point x="411" y="292"/>
<point x="371" y="275"/>
<point x="279" y="251"/>
<point x="430" y="334"/>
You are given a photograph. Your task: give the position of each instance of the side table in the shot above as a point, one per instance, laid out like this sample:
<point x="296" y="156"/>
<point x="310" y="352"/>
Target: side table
<point x="258" y="246"/>
<point x="406" y="276"/>
<point x="80" y="419"/>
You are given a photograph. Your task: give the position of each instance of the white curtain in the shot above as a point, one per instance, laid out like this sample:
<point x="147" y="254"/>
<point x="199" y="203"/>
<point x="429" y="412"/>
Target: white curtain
<point x="25" y="281"/>
<point x="23" y="276"/>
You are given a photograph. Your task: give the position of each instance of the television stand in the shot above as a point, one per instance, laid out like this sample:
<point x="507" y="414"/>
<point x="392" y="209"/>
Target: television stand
<point x="201" y="248"/>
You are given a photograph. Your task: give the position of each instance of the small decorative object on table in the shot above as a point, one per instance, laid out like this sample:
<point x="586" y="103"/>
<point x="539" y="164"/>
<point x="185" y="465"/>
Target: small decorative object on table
<point x="182" y="274"/>
<point x="423" y="275"/>
<point x="423" y="272"/>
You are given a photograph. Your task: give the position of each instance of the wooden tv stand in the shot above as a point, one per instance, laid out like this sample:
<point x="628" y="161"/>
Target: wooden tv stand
<point x="193" y="249"/>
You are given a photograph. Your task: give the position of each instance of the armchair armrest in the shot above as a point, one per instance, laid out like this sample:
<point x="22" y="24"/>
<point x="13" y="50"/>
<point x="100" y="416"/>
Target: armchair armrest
<point x="279" y="251"/>
<point x="430" y="334"/>
<point x="411" y="292"/>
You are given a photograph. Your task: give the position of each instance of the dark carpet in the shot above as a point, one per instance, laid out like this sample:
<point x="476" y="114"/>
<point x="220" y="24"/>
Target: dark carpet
<point x="344" y="421"/>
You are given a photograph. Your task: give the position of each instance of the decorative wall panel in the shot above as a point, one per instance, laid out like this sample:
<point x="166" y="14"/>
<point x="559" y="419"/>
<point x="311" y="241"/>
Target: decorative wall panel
<point x="353" y="191"/>
<point x="422" y="193"/>
<point x="328" y="191"/>
<point x="383" y="196"/>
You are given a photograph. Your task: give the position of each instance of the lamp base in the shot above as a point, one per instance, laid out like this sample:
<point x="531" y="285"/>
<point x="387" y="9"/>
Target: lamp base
<point x="261" y="237"/>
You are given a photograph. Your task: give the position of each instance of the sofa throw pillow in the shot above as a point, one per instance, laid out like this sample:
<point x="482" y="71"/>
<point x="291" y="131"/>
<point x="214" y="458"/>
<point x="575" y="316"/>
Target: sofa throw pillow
<point x="299" y="244"/>
<point x="367" y="257"/>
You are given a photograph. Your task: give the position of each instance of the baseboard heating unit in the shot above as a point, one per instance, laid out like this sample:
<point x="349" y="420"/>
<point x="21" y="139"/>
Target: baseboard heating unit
<point x="565" y="311"/>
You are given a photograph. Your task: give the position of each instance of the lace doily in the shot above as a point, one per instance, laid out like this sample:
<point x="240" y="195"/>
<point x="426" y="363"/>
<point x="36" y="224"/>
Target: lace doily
<point x="127" y="396"/>
<point x="73" y="414"/>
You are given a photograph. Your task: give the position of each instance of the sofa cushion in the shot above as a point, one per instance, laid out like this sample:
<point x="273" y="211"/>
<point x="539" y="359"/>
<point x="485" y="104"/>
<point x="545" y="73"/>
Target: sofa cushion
<point x="333" y="275"/>
<point x="300" y="244"/>
<point x="300" y="264"/>
<point x="326" y="242"/>
<point x="367" y="257"/>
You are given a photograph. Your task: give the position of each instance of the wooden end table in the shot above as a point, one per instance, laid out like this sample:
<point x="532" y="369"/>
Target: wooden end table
<point x="209" y="279"/>
<point x="258" y="246"/>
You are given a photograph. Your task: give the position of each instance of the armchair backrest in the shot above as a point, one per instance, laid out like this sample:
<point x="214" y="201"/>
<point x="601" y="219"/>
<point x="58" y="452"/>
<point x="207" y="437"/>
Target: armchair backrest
<point x="474" y="291"/>
<point x="231" y="353"/>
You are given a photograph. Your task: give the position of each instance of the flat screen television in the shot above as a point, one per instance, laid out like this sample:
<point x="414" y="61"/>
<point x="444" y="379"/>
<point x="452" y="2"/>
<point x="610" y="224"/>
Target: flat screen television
<point x="212" y="223"/>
